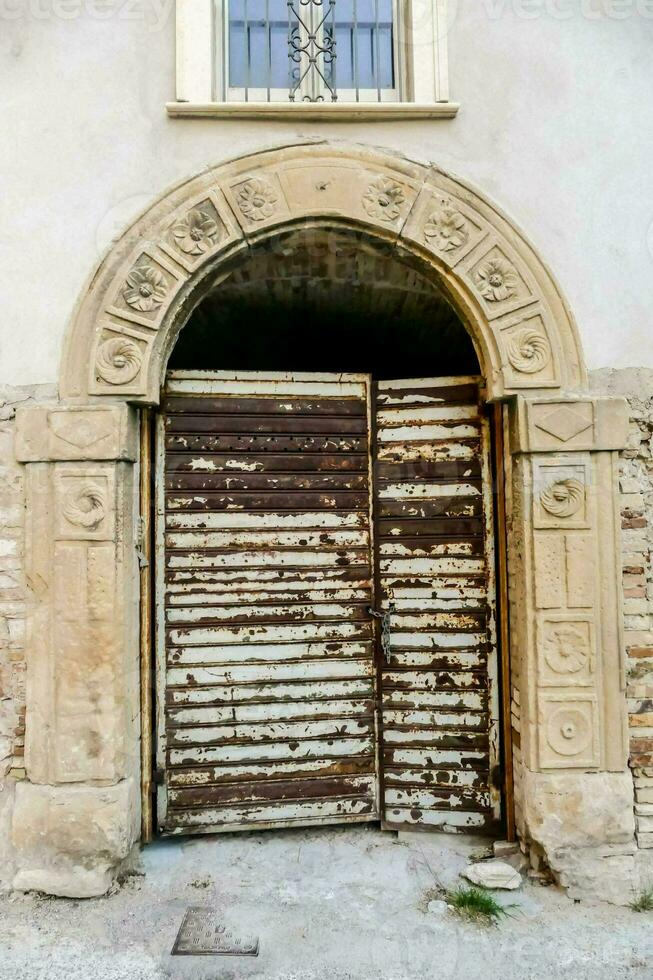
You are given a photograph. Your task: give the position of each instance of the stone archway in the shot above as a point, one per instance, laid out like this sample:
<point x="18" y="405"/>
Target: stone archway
<point x="77" y="813"/>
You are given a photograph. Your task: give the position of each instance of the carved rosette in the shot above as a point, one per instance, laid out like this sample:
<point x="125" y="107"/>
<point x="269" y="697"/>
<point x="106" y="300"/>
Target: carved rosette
<point x="118" y="361"/>
<point x="563" y="498"/>
<point x="257" y="199"/>
<point x="446" y="229"/>
<point x="145" y="289"/>
<point x="384" y="199"/>
<point x="196" y="232"/>
<point x="529" y="351"/>
<point x="566" y="648"/>
<point x="497" y="281"/>
<point x="86" y="507"/>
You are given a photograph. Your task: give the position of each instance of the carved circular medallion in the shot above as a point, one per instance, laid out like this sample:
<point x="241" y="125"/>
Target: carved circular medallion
<point x="529" y="351"/>
<point x="566" y="648"/>
<point x="569" y="730"/>
<point x="563" y="498"/>
<point x="118" y="360"/>
<point x="86" y="507"/>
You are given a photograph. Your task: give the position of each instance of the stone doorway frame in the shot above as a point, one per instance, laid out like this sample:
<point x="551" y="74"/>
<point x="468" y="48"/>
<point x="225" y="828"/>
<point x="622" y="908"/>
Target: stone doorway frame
<point x="77" y="815"/>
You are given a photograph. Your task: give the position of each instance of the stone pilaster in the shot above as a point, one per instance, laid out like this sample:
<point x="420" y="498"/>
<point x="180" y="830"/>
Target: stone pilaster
<point x="576" y="802"/>
<point x="82" y="646"/>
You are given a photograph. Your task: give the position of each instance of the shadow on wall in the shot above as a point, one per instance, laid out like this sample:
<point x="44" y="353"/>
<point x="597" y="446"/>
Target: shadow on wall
<point x="329" y="301"/>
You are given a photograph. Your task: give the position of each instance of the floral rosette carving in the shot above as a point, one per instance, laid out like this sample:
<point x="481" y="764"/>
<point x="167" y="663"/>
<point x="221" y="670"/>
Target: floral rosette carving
<point x="86" y="507"/>
<point x="446" y="229"/>
<point x="256" y="199"/>
<point x="565" y="649"/>
<point x="118" y="360"/>
<point x="196" y="233"/>
<point x="529" y="351"/>
<point x="145" y="289"/>
<point x="497" y="281"/>
<point x="563" y="498"/>
<point x="383" y="199"/>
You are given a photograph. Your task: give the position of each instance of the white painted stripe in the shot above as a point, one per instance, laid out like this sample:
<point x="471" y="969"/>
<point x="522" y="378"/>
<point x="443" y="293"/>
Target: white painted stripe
<point x="295" y="559"/>
<point x="273" y="812"/>
<point x="212" y="715"/>
<point x="431" y="566"/>
<point x="267" y="653"/>
<point x="260" y="673"/>
<point x="190" y="596"/>
<point x="318" y="749"/>
<point x="435" y="818"/>
<point x="273" y="388"/>
<point x="271" y="693"/>
<point x="435" y="413"/>
<point x="398" y="550"/>
<point x="422" y="798"/>
<point x="324" y="610"/>
<point x="413" y="490"/>
<point x="212" y="520"/>
<point x="247" y="635"/>
<point x="422" y="433"/>
<point x="409" y="452"/>
<point x="267" y="539"/>
<point x="273" y="731"/>
<point x="461" y="721"/>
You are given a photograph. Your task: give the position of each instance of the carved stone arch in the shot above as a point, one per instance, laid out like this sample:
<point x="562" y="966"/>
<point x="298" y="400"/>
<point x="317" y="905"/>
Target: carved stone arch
<point x="126" y="323"/>
<point x="82" y="542"/>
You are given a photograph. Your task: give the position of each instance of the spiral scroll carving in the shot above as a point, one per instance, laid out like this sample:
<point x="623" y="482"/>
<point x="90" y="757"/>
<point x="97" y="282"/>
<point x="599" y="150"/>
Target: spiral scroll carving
<point x="118" y="360"/>
<point x="86" y="507"/>
<point x="529" y="351"/>
<point x="563" y="498"/>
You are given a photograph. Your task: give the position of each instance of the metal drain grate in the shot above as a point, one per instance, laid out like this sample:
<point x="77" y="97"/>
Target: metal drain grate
<point x="202" y="934"/>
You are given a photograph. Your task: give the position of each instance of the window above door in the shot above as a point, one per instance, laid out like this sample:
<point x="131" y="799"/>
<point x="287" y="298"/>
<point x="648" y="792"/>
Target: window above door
<point x="330" y="59"/>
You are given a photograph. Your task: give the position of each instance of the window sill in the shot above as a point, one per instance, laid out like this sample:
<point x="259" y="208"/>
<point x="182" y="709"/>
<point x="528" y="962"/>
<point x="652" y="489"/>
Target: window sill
<point x="325" y="111"/>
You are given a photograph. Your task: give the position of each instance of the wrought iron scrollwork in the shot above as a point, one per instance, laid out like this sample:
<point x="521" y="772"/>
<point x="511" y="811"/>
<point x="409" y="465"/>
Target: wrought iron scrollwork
<point x="312" y="49"/>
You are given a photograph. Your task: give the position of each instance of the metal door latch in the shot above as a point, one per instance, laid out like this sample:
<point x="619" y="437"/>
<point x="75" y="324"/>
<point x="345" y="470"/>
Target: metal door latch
<point x="385" y="628"/>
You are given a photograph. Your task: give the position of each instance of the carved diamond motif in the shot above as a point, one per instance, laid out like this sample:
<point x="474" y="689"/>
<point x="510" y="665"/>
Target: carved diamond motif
<point x="564" y="423"/>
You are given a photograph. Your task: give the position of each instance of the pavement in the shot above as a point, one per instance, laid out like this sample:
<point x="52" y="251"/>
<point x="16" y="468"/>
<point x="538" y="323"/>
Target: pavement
<point x="326" y="904"/>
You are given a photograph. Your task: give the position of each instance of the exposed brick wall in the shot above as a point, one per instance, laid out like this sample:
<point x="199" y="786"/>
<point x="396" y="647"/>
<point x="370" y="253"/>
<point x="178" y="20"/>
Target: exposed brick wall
<point x="636" y="484"/>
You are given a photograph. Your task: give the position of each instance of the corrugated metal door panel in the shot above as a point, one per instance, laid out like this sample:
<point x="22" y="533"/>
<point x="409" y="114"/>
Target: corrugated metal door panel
<point x="438" y="675"/>
<point x="267" y="676"/>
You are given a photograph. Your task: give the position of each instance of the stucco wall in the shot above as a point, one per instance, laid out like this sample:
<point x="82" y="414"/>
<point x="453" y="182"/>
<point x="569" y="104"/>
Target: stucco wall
<point x="555" y="125"/>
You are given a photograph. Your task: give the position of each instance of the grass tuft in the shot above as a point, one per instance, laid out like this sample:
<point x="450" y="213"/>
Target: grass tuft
<point x="477" y="904"/>
<point x="643" y="902"/>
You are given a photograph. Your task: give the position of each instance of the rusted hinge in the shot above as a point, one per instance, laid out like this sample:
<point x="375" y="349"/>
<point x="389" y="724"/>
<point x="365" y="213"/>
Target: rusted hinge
<point x="158" y="777"/>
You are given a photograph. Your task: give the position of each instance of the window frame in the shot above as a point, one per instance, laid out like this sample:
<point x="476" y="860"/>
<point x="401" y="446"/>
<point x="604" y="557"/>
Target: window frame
<point x="421" y="70"/>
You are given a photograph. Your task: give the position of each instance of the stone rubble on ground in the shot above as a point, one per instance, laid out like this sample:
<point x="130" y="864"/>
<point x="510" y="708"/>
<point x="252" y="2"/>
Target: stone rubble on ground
<point x="493" y="874"/>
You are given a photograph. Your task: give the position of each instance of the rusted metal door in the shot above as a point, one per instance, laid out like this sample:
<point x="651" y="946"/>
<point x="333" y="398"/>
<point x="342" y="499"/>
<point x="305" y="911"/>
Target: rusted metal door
<point x="438" y="663"/>
<point x="266" y="686"/>
<point x="278" y="693"/>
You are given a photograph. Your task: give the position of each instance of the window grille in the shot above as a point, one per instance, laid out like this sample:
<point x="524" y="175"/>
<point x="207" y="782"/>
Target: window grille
<point x="312" y="50"/>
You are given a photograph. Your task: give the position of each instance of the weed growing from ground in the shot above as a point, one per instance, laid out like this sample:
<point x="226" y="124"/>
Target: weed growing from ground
<point x="477" y="904"/>
<point x="644" y="901"/>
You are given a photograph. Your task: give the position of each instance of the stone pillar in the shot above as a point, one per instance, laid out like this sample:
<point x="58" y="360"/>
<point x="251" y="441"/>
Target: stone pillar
<point x="76" y="815"/>
<point x="575" y="795"/>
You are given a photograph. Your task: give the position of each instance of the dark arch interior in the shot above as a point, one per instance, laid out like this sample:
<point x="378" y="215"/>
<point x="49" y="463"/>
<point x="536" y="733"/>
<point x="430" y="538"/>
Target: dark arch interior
<point x="328" y="301"/>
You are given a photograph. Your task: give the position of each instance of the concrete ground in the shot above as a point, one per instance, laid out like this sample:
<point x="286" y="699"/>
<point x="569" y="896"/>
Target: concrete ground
<point x="327" y="904"/>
